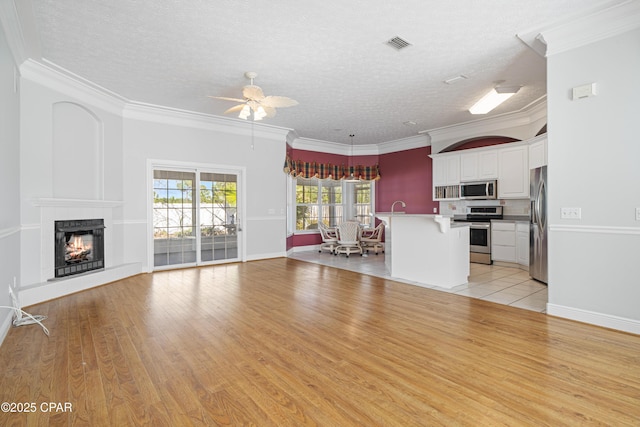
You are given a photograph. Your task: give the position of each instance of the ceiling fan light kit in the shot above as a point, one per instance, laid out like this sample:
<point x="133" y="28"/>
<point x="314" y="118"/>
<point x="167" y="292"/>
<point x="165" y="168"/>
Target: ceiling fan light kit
<point x="491" y="100"/>
<point x="256" y="102"/>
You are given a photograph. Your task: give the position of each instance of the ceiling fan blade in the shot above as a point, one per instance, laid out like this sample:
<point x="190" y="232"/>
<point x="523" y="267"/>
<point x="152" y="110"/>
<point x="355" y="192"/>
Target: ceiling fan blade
<point x="278" y="101"/>
<point x="253" y="92"/>
<point x="269" y="110"/>
<point x="224" y="98"/>
<point x="235" y="108"/>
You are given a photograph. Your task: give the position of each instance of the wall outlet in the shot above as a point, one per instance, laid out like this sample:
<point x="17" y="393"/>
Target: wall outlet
<point x="570" y="213"/>
<point x="637" y="214"/>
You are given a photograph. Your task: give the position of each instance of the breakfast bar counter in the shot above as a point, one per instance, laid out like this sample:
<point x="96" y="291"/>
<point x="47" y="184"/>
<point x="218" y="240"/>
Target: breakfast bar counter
<point x="426" y="249"/>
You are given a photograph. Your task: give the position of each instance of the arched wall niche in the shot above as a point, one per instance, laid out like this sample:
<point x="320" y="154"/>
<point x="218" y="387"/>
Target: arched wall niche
<point x="77" y="142"/>
<point x="483" y="141"/>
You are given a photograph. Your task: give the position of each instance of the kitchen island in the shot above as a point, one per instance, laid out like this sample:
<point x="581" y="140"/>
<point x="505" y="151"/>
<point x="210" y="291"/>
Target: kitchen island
<point x="426" y="249"/>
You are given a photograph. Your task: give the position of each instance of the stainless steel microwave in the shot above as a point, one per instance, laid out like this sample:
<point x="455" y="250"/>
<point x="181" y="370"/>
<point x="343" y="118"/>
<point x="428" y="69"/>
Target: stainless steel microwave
<point x="479" y="190"/>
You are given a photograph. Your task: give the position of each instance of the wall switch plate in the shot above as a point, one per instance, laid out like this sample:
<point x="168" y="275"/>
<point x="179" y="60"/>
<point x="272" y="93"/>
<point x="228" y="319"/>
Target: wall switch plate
<point x="637" y="214"/>
<point x="570" y="213"/>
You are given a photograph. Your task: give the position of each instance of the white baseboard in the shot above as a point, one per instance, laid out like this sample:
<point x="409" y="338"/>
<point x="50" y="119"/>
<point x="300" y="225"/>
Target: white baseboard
<point x="304" y="248"/>
<point x="595" y="318"/>
<point x="266" y="256"/>
<point x="6" y="324"/>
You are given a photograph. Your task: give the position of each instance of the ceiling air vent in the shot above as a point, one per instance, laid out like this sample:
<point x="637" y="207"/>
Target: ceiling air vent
<point x="398" y="43"/>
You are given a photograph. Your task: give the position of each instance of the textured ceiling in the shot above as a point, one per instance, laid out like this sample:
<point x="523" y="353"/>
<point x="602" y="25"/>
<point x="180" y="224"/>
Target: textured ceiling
<point x="331" y="56"/>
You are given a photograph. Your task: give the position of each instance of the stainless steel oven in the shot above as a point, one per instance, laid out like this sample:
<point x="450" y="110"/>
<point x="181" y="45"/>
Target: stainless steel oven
<point x="479" y="220"/>
<point x="480" y="242"/>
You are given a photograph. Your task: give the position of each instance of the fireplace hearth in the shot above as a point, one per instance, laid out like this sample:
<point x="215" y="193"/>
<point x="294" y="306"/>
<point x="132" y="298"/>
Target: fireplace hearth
<point x="79" y="246"/>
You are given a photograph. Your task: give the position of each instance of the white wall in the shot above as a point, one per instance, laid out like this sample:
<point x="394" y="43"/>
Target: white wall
<point x="115" y="142"/>
<point x="54" y="118"/>
<point x="215" y="143"/>
<point x="593" y="154"/>
<point x="10" y="179"/>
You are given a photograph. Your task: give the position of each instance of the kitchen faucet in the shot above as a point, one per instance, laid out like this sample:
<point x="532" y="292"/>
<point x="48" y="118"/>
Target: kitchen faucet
<point x="393" y="205"/>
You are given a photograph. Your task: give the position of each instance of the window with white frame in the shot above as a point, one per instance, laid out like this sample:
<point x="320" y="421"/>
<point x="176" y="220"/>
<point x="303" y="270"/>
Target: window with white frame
<point x="330" y="202"/>
<point x="363" y="202"/>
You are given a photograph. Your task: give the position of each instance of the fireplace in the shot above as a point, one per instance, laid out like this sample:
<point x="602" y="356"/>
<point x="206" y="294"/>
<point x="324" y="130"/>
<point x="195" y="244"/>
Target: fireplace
<point x="79" y="246"/>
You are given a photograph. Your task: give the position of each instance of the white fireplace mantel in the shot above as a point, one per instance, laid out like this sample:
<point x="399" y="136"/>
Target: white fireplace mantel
<point x="38" y="277"/>
<point x="79" y="203"/>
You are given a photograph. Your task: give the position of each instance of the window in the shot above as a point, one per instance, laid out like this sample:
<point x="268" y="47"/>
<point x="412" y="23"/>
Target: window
<point x="362" y="202"/>
<point x="330" y="202"/>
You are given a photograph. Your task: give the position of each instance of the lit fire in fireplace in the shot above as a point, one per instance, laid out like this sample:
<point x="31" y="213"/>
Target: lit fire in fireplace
<point x="79" y="248"/>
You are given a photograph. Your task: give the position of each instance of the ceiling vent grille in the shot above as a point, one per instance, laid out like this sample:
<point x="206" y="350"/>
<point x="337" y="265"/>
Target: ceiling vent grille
<point x="398" y="43"/>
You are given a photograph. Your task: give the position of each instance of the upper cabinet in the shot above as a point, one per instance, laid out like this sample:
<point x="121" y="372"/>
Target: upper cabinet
<point x="513" y="172"/>
<point x="446" y="169"/>
<point x="538" y="152"/>
<point x="508" y="163"/>
<point x="446" y="176"/>
<point x="478" y="165"/>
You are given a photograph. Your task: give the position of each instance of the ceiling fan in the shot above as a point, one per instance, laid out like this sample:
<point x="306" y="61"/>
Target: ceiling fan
<point x="255" y="101"/>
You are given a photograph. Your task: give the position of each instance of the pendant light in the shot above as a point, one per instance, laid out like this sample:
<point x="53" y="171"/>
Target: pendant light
<point x="352" y="177"/>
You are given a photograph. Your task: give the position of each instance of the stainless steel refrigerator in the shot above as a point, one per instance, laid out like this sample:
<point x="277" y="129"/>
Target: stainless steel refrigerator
<point x="538" y="224"/>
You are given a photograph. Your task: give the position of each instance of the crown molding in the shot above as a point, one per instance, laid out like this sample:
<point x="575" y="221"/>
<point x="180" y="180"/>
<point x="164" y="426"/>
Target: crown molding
<point x="13" y="31"/>
<point x="417" y="141"/>
<point x="328" y="147"/>
<point x="71" y="85"/>
<point x="174" y="116"/>
<point x="18" y="22"/>
<point x="603" y="22"/>
<point x="514" y="125"/>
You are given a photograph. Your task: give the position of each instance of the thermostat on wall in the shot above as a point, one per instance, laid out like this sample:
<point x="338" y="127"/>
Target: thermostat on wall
<point x="584" y="91"/>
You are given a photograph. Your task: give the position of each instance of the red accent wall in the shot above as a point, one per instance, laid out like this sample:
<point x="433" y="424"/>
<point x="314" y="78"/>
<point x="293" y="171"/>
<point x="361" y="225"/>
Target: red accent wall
<point x="406" y="175"/>
<point x="480" y="142"/>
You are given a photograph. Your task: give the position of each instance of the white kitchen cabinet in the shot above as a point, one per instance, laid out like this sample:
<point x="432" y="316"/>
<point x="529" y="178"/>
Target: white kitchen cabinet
<point x="503" y="241"/>
<point x="522" y="243"/>
<point x="446" y="176"/>
<point x="513" y="172"/>
<point x="478" y="165"/>
<point x="446" y="169"/>
<point x="538" y="152"/>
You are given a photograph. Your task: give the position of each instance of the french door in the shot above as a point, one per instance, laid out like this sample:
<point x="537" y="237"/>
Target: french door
<point x="195" y="216"/>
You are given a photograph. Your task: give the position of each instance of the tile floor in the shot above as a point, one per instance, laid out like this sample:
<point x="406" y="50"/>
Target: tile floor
<point x="503" y="285"/>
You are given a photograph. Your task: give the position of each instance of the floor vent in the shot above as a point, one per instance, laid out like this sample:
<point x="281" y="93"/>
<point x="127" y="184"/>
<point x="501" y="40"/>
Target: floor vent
<point x="398" y="43"/>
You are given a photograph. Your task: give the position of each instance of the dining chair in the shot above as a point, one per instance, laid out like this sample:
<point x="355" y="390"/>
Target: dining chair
<point x="373" y="239"/>
<point x="348" y="238"/>
<point x="329" y="238"/>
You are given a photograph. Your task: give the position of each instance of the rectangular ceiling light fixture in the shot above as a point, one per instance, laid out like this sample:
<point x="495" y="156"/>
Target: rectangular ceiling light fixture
<point x="494" y="98"/>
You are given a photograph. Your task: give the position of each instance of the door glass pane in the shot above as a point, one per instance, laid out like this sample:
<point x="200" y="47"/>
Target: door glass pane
<point x="173" y="215"/>
<point x="218" y="216"/>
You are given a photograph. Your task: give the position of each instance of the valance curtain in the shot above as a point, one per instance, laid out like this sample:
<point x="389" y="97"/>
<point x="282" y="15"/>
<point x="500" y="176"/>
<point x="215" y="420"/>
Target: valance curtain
<point x="330" y="171"/>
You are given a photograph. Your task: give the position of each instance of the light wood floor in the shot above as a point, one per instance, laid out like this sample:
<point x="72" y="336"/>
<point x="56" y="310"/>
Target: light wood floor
<point x="287" y="343"/>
